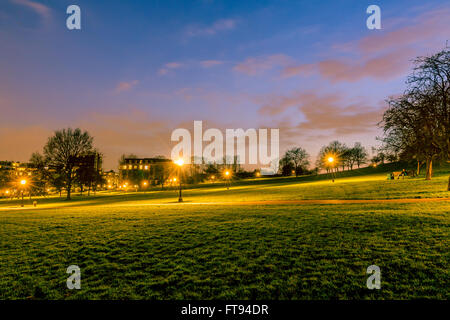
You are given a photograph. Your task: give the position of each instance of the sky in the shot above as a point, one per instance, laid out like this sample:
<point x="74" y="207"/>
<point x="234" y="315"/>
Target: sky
<point x="139" y="69"/>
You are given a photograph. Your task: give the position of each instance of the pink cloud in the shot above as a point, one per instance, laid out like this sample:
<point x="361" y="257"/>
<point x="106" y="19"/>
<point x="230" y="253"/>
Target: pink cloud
<point x="257" y="65"/>
<point x="125" y="86"/>
<point x="382" y="55"/>
<point x="330" y="112"/>
<point x="383" y="67"/>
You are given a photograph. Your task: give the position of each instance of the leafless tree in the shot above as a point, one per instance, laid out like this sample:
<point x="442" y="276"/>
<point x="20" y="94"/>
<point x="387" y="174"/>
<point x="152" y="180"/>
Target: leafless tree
<point x="65" y="146"/>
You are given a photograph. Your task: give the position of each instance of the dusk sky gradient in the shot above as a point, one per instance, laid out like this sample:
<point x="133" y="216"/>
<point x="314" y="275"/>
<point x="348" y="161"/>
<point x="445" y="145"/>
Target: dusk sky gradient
<point x="139" y="69"/>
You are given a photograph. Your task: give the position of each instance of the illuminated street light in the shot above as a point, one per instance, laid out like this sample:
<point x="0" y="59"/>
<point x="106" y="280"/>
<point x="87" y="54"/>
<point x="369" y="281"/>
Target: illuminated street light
<point x="23" y="182"/>
<point x="179" y="163"/>
<point x="331" y="161"/>
<point x="145" y="185"/>
<point x="227" y="176"/>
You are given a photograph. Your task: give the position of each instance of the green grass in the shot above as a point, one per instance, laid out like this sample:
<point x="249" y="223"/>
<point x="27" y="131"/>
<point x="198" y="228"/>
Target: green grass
<point x="127" y="249"/>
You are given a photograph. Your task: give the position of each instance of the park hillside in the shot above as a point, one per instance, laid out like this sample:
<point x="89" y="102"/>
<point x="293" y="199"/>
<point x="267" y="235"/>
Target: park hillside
<point x="263" y="238"/>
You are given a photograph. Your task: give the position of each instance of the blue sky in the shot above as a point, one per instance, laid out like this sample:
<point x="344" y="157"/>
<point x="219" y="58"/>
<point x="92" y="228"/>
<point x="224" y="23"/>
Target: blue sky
<point x="138" y="69"/>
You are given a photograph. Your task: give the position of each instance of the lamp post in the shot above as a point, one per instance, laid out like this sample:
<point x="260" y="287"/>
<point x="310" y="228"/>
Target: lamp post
<point x="227" y="176"/>
<point x="331" y="162"/>
<point x="179" y="163"/>
<point x="23" y="183"/>
<point x="145" y="186"/>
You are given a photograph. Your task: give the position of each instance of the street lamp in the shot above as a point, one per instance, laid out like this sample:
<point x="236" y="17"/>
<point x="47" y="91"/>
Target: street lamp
<point x="23" y="182"/>
<point x="331" y="162"/>
<point x="179" y="163"/>
<point x="227" y="176"/>
<point x="145" y="185"/>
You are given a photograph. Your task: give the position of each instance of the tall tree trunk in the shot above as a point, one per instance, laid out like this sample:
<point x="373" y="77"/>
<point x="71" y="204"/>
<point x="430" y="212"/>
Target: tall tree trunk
<point x="418" y="167"/>
<point x="69" y="183"/>
<point x="69" y="189"/>
<point x="448" y="187"/>
<point x="429" y="169"/>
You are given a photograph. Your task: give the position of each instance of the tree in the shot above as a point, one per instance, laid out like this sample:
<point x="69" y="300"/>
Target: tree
<point x="335" y="150"/>
<point x="57" y="180"/>
<point x="430" y="81"/>
<point x="163" y="169"/>
<point x="359" y="154"/>
<point x="5" y="178"/>
<point x="299" y="158"/>
<point x="418" y="122"/>
<point x="65" y="146"/>
<point x="286" y="166"/>
<point x="41" y="175"/>
<point x="347" y="159"/>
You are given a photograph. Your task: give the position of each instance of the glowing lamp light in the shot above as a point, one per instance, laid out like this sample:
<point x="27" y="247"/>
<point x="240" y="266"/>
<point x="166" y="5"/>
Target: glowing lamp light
<point x="227" y="173"/>
<point x="179" y="162"/>
<point x="174" y="179"/>
<point x="330" y="159"/>
<point x="23" y="182"/>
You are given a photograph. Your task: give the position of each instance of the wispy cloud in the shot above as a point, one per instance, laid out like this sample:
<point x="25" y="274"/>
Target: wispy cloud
<point x="37" y="7"/>
<point x="257" y="65"/>
<point x="218" y="26"/>
<point x="210" y="63"/>
<point x="125" y="86"/>
<point x="171" y="65"/>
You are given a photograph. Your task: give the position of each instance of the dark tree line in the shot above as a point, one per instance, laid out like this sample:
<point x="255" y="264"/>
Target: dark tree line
<point x="342" y="155"/>
<point x="296" y="160"/>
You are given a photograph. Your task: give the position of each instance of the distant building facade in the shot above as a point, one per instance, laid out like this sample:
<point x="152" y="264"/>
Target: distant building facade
<point x="140" y="172"/>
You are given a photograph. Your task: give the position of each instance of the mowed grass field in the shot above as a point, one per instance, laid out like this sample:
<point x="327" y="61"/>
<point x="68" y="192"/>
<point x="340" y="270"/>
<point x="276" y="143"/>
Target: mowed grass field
<point x="213" y="246"/>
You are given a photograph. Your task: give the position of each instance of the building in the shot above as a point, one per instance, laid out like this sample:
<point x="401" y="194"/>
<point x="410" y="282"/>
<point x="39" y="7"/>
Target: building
<point x="111" y="180"/>
<point x="143" y="172"/>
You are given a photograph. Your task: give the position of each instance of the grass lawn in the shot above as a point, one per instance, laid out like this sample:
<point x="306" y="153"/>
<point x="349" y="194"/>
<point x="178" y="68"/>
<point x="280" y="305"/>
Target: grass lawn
<point x="128" y="249"/>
